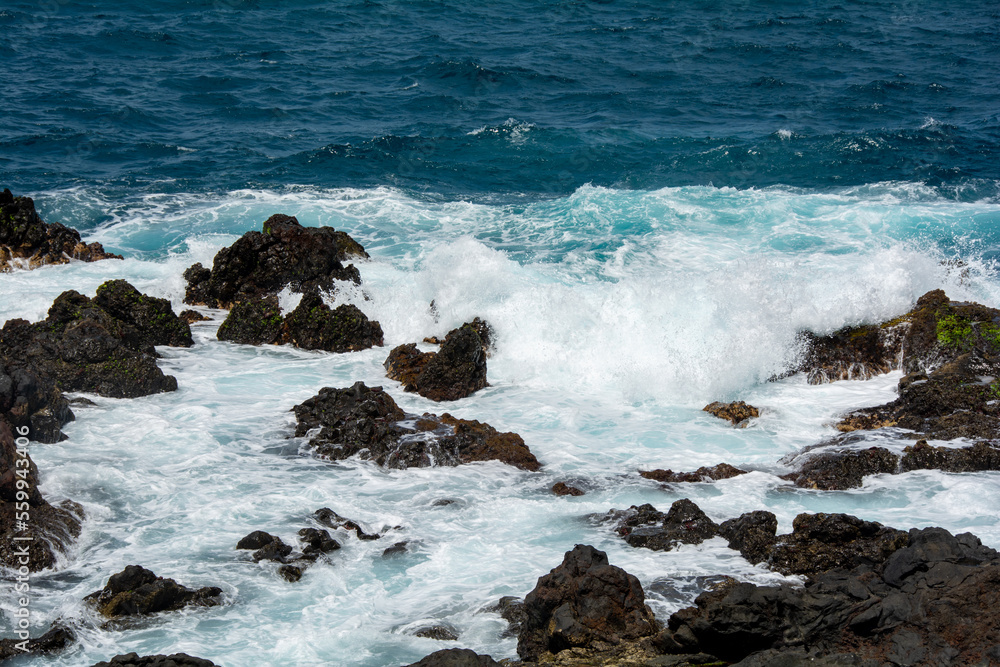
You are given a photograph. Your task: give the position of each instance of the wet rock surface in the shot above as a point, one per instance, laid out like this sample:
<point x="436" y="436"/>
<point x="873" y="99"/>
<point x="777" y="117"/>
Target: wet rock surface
<point x="53" y="641"/>
<point x="312" y="325"/>
<point x="930" y="601"/>
<point x="33" y="402"/>
<point x="950" y="352"/>
<point x="564" y="489"/>
<point x="703" y="474"/>
<point x="737" y="413"/>
<point x="456" y="657"/>
<point x="645" y="526"/>
<point x="25" y="513"/>
<point x="365" y="421"/>
<point x="266" y="547"/>
<point x="137" y="591"/>
<point x="102" y="345"/>
<point x="26" y="241"/>
<point x="284" y="254"/>
<point x="457" y="370"/>
<point x="582" y="602"/>
<point x="846" y="469"/>
<point x="175" y="660"/>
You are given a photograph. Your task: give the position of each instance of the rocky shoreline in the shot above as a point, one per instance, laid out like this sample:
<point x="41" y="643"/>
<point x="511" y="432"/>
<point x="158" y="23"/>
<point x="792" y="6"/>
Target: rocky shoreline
<point x="870" y="595"/>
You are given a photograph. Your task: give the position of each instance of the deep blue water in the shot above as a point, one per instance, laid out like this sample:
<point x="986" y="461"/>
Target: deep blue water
<point x="498" y="100"/>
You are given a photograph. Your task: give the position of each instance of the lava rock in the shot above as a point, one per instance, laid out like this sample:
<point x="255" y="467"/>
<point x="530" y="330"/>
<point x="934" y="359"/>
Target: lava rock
<point x="256" y="540"/>
<point x="24" y="512"/>
<point x="737" y="412"/>
<point x="820" y="542"/>
<point x="328" y="517"/>
<point x="253" y="321"/>
<point x="853" y="353"/>
<point x="583" y="601"/>
<point x="312" y="325"/>
<point x="191" y="316"/>
<point x="703" y="474"/>
<point x="844" y="469"/>
<point x="317" y="541"/>
<point x="365" y="421"/>
<point x="646" y="527"/>
<point x="455" y="657"/>
<point x="33" y="402"/>
<point x="284" y="254"/>
<point x="275" y="551"/>
<point x="175" y="660"/>
<point x="980" y="456"/>
<point x="53" y="641"/>
<point x="137" y="591"/>
<point x="564" y="489"/>
<point x="104" y="349"/>
<point x="753" y="534"/>
<point x="511" y="609"/>
<point x="444" y="633"/>
<point x="27" y="241"/>
<point x="457" y="370"/>
<point x="397" y="549"/>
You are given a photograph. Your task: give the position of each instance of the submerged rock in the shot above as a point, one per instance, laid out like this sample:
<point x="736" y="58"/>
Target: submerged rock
<point x="312" y="325"/>
<point x="26" y="241"/>
<point x="564" y="489"/>
<point x="284" y="254"/>
<point x="703" y="474"/>
<point x="175" y="660"/>
<point x="367" y="422"/>
<point x="738" y="412"/>
<point x="843" y="469"/>
<point x="444" y="633"/>
<point x="583" y="603"/>
<point x="456" y="371"/>
<point x="137" y="591"/>
<point x="328" y="517"/>
<point x="102" y="345"/>
<point x="31" y="529"/>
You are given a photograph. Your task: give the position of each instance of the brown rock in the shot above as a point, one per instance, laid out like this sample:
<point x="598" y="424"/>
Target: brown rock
<point x="703" y="474"/>
<point x="738" y="412"/>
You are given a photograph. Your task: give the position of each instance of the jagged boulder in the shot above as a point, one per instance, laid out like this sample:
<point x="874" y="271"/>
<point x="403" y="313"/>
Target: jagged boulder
<point x="54" y="640"/>
<point x="30" y="527"/>
<point x="367" y="422"/>
<point x="29" y="242"/>
<point x="922" y="456"/>
<point x="820" y="542"/>
<point x="583" y="602"/>
<point x="843" y="469"/>
<point x="137" y="591"/>
<point x="284" y="254"/>
<point x="737" y="413"/>
<point x="33" y="402"/>
<point x="312" y="325"/>
<point x="646" y="527"/>
<point x="753" y="534"/>
<point x="102" y="345"/>
<point x="457" y="370"/>
<point x="702" y="474"/>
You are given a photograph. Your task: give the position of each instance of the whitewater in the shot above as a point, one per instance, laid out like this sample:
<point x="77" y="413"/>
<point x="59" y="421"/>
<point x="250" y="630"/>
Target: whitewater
<point x="618" y="314"/>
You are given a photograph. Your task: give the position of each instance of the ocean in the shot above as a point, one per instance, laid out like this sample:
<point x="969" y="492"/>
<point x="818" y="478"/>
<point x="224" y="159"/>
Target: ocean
<point x="647" y="200"/>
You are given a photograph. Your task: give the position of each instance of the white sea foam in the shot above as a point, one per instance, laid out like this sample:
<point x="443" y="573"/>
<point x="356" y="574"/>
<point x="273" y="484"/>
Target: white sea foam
<point x="618" y="316"/>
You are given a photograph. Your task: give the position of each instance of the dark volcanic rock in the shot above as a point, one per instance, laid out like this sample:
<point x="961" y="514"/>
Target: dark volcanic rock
<point x="931" y="602"/>
<point x="25" y="513"/>
<point x="366" y="421"/>
<point x="582" y="602"/>
<point x="190" y="316"/>
<point x="256" y="540"/>
<point x="978" y="457"/>
<point x="444" y="633"/>
<point x="328" y="517"/>
<point x="684" y="523"/>
<point x="853" y="353"/>
<point x="263" y="263"/>
<point x="564" y="489"/>
<point x="253" y="321"/>
<point x="33" y="402"/>
<point x="703" y="474"/>
<point x="455" y="657"/>
<point x="752" y="534"/>
<point x="175" y="660"/>
<point x="317" y="541"/>
<point x="25" y="240"/>
<point x="511" y="609"/>
<point x="136" y="590"/>
<point x="457" y="370"/>
<point x="56" y="639"/>
<point x="102" y="345"/>
<point x="312" y="325"/>
<point x="738" y="412"/>
<point x="820" y="542"/>
<point x="844" y="469"/>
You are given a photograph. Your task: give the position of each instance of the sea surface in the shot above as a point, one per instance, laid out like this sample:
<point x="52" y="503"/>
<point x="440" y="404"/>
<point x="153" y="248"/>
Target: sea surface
<point x="648" y="201"/>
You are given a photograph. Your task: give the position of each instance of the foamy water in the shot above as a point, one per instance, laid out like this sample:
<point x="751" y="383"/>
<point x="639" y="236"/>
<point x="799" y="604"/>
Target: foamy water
<point x="618" y="316"/>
